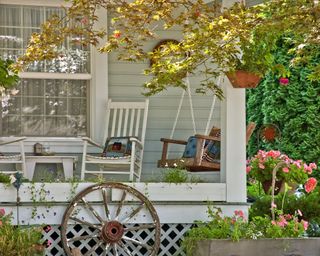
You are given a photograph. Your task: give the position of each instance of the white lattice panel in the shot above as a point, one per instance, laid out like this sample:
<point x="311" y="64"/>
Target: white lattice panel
<point x="171" y="236"/>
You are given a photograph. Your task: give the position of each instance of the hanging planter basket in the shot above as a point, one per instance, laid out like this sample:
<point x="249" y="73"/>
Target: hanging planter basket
<point x="243" y="79"/>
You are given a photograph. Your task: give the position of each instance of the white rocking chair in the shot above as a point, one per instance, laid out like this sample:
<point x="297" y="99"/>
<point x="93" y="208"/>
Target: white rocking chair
<point x="124" y="119"/>
<point x="17" y="159"/>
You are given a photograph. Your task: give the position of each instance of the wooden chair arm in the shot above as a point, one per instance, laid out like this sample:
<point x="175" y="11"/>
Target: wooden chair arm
<point x="200" y="147"/>
<point x="10" y="140"/>
<point x="181" y="142"/>
<point x="165" y="147"/>
<point x="206" y="137"/>
<point x="90" y="141"/>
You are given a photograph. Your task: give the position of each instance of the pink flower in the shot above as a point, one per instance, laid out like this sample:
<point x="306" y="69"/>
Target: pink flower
<point x="261" y="166"/>
<point x="305" y="224"/>
<point x="84" y="20"/>
<point x="283" y="81"/>
<point x="248" y="169"/>
<point x="239" y="213"/>
<point x="310" y="185"/>
<point x="299" y="212"/>
<point x="288" y="216"/>
<point x="47" y="243"/>
<point x="282" y="222"/>
<point x="47" y="228"/>
<point x="307" y="169"/>
<point x="273" y="153"/>
<point x="297" y="163"/>
<point x="313" y="166"/>
<point x="285" y="169"/>
<point x="2" y="212"/>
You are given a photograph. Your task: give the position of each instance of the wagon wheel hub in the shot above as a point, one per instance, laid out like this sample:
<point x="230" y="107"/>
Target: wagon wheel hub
<point x="112" y="231"/>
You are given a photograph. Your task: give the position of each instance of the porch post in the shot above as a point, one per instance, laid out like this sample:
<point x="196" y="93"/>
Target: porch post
<point x="233" y="145"/>
<point x="233" y="148"/>
<point x="99" y="88"/>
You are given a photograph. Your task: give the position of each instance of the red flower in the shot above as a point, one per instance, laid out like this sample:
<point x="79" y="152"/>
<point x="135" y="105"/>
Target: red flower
<point x="116" y="34"/>
<point x="197" y="13"/>
<point x="284" y="81"/>
<point x="310" y="185"/>
<point x="2" y="212"/>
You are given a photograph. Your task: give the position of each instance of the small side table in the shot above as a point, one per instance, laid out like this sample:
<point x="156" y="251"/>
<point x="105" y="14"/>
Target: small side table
<point x="66" y="161"/>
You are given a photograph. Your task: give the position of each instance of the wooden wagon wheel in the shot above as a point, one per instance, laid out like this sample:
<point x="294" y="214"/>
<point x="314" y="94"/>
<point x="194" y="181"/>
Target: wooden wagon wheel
<point x="108" y="219"/>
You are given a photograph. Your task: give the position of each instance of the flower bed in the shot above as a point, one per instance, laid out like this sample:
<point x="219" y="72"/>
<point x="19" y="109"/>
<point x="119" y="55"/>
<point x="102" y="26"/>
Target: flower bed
<point x="265" y="247"/>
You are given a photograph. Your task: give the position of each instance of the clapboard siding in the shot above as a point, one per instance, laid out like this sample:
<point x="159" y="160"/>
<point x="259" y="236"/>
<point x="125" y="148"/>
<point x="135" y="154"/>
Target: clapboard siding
<point x="253" y="2"/>
<point x="125" y="83"/>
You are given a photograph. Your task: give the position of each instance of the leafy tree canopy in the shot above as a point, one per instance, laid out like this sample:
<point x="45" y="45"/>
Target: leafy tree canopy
<point x="216" y="41"/>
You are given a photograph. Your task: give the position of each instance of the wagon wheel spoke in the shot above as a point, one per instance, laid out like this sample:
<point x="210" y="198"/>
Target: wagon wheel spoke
<point x="105" y="203"/>
<point x="108" y="229"/>
<point x="143" y="226"/>
<point x="85" y="223"/>
<point x="88" y="253"/>
<point x="115" y="250"/>
<point x="148" y="247"/>
<point x="124" y="194"/>
<point x="78" y="238"/>
<point x="124" y="248"/>
<point x="133" y="213"/>
<point x="106" y="249"/>
<point x="93" y="211"/>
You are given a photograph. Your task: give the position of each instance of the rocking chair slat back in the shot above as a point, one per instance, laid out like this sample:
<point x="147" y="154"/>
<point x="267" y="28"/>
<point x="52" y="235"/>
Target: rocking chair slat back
<point x="126" y="119"/>
<point x="123" y="119"/>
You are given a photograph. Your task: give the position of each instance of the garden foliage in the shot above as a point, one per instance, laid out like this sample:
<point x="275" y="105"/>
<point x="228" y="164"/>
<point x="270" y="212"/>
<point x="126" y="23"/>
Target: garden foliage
<point x="18" y="241"/>
<point x="293" y="107"/>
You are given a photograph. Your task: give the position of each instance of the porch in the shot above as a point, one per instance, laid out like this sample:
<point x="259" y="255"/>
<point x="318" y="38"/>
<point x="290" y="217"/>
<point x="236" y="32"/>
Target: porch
<point x="178" y="205"/>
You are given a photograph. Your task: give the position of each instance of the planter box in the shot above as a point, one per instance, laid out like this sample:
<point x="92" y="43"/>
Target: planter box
<point x="265" y="247"/>
<point x="46" y="202"/>
<point x="63" y="192"/>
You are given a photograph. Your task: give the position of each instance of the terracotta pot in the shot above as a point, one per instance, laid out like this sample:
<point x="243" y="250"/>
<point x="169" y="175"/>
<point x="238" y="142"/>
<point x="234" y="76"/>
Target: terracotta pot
<point x="243" y="79"/>
<point x="267" y="186"/>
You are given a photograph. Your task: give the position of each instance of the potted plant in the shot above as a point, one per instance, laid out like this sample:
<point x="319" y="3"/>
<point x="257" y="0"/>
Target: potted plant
<point x="273" y="234"/>
<point x="234" y="235"/>
<point x="260" y="168"/>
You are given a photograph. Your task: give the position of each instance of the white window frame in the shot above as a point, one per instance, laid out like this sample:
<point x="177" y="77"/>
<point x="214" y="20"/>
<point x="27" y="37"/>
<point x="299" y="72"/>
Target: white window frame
<point x="98" y="92"/>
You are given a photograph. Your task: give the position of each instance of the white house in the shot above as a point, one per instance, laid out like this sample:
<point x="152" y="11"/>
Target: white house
<point x="57" y="104"/>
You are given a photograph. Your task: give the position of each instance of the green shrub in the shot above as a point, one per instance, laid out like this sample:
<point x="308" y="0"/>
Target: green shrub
<point x="237" y="227"/>
<point x="294" y="108"/>
<point x="177" y="175"/>
<point x="308" y="204"/>
<point x="4" y="178"/>
<point x="18" y="241"/>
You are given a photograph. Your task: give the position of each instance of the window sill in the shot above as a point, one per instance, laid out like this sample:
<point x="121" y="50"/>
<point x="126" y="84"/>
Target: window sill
<point x="60" y="145"/>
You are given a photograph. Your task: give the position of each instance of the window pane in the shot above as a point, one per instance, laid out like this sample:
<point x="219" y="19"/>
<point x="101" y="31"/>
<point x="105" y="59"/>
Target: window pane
<point x="46" y="108"/>
<point x="17" y="23"/>
<point x="43" y="107"/>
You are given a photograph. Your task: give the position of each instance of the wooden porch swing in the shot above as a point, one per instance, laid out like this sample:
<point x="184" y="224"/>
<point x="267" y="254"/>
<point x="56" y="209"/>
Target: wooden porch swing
<point x="207" y="147"/>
